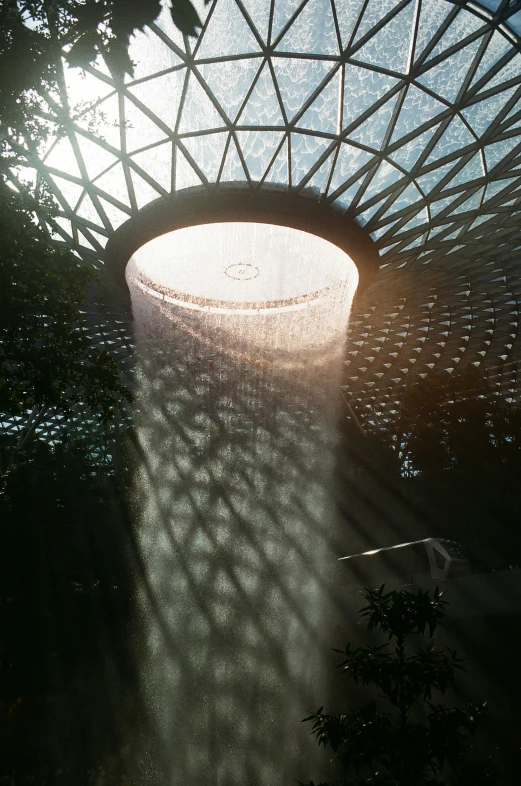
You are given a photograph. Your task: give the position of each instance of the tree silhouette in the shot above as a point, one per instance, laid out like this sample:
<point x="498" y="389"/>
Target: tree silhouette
<point x="383" y="741"/>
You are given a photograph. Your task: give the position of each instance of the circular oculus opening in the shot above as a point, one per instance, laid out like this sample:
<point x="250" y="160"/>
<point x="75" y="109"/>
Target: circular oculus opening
<point x="241" y="267"/>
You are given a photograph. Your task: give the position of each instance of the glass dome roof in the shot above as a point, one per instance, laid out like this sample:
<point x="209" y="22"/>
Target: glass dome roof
<point x="405" y="114"/>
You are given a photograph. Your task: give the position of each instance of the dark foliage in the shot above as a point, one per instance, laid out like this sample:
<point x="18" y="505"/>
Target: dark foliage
<point x="383" y="742"/>
<point x="46" y="356"/>
<point x="67" y="691"/>
<point x="33" y="32"/>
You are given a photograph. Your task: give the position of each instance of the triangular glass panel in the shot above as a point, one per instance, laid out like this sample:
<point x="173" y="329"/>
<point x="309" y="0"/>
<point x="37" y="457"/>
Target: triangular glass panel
<point x="63" y="158"/>
<point x="322" y="115"/>
<point x="198" y="111"/>
<point x="207" y="152"/>
<point x="298" y="79"/>
<point x="87" y="242"/>
<point x="282" y="12"/>
<point x="229" y="81"/>
<point x="497" y="47"/>
<point x="349" y="160"/>
<point x="84" y="86"/>
<point x="262" y="107"/>
<point x="514" y="111"/>
<point x="346" y="197"/>
<point x="161" y="96"/>
<point x="258" y="148"/>
<point x="114" y="214"/>
<point x="166" y="24"/>
<point x="374" y="12"/>
<point x="386" y="175"/>
<point x="479" y="220"/>
<point x="319" y="180"/>
<point x="150" y="54"/>
<point x="483" y="113"/>
<point x="509" y="71"/>
<point x="430" y="180"/>
<point x="364" y="217"/>
<point x="497" y="186"/>
<point x="113" y="183"/>
<point x="462" y="26"/>
<point x="95" y="157"/>
<point x="407" y="155"/>
<point x="347" y="12"/>
<point x="446" y="78"/>
<point x="414" y="244"/>
<point x="88" y="211"/>
<point x="417" y="109"/>
<point x="455" y="137"/>
<point x="157" y="163"/>
<point x="140" y="131"/>
<point x="105" y="122"/>
<point x="228" y="33"/>
<point x="313" y="31"/>
<point x="71" y="192"/>
<point x="432" y="15"/>
<point x="305" y="152"/>
<point x="278" y="172"/>
<point x="185" y="175"/>
<point x="436" y="230"/>
<point x="143" y="191"/>
<point x="441" y="204"/>
<point x="494" y="154"/>
<point x="420" y="218"/>
<point x="233" y="170"/>
<point x="408" y="197"/>
<point x="372" y="132"/>
<point x="362" y="88"/>
<point x="473" y="170"/>
<point x="390" y="47"/>
<point x="472" y="203"/>
<point x="259" y="13"/>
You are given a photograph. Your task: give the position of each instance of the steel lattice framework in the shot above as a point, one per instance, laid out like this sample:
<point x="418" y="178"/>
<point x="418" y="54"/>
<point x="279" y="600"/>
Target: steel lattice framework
<point x="404" y="114"/>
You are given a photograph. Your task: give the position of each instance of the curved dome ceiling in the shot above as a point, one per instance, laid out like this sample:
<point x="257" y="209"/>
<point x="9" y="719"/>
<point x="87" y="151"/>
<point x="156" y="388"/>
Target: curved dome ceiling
<point x="406" y="115"/>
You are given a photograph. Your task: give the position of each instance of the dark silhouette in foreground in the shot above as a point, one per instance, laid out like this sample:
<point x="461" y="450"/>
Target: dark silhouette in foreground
<point x="421" y="740"/>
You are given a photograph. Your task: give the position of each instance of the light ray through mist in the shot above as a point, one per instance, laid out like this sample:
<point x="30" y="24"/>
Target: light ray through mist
<point x="235" y="508"/>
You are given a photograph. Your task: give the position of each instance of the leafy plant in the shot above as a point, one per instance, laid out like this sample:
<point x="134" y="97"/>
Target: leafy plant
<point x="394" y="748"/>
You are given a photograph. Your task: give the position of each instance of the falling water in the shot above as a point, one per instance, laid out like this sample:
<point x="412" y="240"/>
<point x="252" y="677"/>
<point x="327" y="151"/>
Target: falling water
<point x="236" y="525"/>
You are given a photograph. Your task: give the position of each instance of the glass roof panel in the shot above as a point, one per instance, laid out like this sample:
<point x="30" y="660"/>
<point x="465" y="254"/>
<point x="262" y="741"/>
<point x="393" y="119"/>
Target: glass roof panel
<point x="298" y="79"/>
<point x="312" y="31"/>
<point x="230" y="80"/>
<point x="259" y="13"/>
<point x="323" y="113"/>
<point x="305" y="152"/>
<point x="262" y="107"/>
<point x="374" y="12"/>
<point x="372" y="132"/>
<point x="348" y="162"/>
<point x="362" y="89"/>
<point x="390" y="46"/>
<point x="347" y="13"/>
<point x="417" y="109"/>
<point x="258" y="148"/>
<point x="455" y="137"/>
<point x="462" y="26"/>
<point x="283" y="10"/>
<point x="446" y="78"/>
<point x="483" y="113"/>
<point x="227" y="33"/>
<point x="432" y="16"/>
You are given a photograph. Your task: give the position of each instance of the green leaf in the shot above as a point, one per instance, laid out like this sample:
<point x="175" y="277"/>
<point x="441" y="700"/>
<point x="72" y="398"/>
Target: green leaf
<point x="185" y="17"/>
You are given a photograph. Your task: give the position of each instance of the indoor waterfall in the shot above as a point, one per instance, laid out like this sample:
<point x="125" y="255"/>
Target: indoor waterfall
<point x="240" y="334"/>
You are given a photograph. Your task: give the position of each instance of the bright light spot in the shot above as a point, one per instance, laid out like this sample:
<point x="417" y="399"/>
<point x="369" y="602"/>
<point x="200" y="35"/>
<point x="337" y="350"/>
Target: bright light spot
<point x="264" y="286"/>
